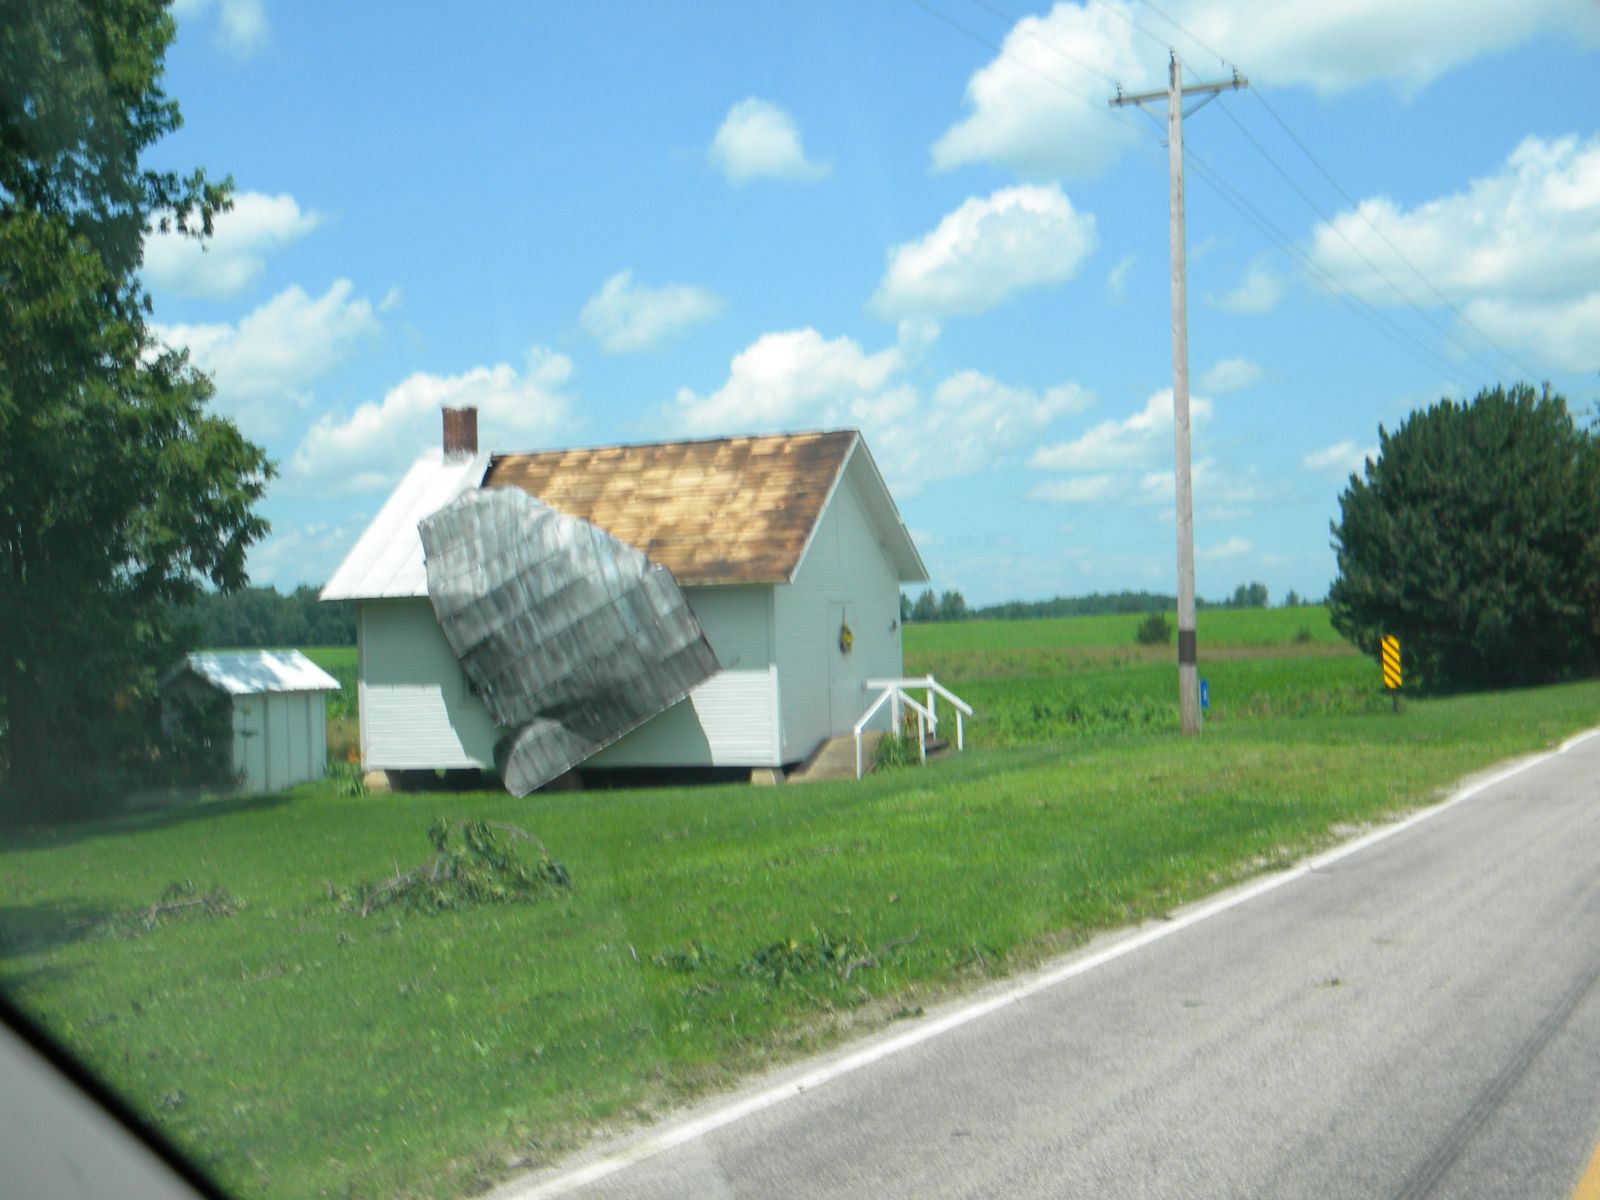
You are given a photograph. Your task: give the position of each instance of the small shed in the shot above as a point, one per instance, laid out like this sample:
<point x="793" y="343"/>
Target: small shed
<point x="278" y="711"/>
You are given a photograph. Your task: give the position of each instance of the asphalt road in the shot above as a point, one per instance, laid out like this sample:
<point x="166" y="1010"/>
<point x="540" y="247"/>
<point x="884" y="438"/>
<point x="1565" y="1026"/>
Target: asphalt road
<point x="1418" y="1018"/>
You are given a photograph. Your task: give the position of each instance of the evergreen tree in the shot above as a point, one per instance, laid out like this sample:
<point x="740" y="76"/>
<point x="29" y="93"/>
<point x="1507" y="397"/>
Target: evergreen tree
<point x="1475" y="539"/>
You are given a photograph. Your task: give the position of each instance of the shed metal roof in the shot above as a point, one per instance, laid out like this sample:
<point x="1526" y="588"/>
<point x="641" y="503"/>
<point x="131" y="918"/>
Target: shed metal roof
<point x="251" y="672"/>
<point x="737" y="510"/>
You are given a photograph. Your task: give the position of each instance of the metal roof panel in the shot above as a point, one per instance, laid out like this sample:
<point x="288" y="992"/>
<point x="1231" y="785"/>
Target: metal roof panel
<point x="250" y="672"/>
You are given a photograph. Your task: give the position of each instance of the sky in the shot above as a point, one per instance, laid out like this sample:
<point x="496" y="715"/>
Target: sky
<point x="617" y="222"/>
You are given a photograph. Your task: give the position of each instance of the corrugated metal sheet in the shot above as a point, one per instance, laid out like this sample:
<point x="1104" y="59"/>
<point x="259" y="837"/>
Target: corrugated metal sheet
<point x="386" y="560"/>
<point x="253" y="672"/>
<point x="731" y="510"/>
<point x="570" y="637"/>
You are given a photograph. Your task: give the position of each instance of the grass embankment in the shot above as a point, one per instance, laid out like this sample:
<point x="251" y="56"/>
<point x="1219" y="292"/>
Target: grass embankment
<point x="301" y="1049"/>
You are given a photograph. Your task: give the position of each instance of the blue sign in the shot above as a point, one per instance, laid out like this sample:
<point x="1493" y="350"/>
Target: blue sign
<point x="1205" y="693"/>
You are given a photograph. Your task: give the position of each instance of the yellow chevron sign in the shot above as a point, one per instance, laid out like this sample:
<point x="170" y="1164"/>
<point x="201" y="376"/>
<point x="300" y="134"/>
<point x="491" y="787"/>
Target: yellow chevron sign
<point x="1390" y="647"/>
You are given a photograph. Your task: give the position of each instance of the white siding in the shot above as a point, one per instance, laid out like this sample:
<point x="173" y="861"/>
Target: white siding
<point x="417" y="712"/>
<point x="279" y="739"/>
<point x="249" y="741"/>
<point x="730" y="720"/>
<point x="845" y="577"/>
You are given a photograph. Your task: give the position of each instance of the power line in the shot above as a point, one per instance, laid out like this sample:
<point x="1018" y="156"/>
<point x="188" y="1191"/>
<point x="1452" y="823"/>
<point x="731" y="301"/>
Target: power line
<point x="1092" y="104"/>
<point x="1051" y="46"/>
<point x="1000" y="49"/>
<point x="1375" y="317"/>
<point x="1334" y="227"/>
<point x="1355" y="207"/>
<point x="1193" y="37"/>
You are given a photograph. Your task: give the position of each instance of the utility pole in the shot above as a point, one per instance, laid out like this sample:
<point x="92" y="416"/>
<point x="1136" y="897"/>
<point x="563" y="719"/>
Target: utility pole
<point x="1188" y="670"/>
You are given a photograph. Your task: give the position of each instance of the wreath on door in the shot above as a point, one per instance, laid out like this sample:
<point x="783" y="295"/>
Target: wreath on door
<point x="846" y="638"/>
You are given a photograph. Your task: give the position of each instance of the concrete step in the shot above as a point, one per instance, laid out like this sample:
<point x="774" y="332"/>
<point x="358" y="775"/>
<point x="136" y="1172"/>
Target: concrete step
<point x="836" y="759"/>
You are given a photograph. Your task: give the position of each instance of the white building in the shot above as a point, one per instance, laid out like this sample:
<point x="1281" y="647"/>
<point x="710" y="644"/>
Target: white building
<point x="278" y="711"/>
<point x="789" y="549"/>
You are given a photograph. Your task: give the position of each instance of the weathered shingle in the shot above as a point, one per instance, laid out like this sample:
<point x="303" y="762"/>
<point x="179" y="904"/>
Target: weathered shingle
<point x="729" y="510"/>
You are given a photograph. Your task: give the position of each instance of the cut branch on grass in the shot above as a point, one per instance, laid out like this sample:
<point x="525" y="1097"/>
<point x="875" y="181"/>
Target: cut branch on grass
<point x="470" y="865"/>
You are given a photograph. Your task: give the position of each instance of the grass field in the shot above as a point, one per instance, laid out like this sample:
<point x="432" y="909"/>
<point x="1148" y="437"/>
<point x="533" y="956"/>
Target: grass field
<point x="301" y="1049"/>
<point x="1045" y="680"/>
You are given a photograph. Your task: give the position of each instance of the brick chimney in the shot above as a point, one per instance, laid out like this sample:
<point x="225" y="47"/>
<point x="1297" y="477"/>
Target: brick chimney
<point x="460" y="432"/>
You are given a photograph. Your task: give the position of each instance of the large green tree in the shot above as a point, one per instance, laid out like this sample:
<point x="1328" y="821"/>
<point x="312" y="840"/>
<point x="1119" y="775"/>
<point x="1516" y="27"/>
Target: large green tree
<point x="120" y="495"/>
<point x="1475" y="539"/>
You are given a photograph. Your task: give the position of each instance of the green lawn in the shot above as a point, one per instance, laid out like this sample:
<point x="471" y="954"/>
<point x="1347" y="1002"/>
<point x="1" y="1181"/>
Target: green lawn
<point x="301" y="1049"/>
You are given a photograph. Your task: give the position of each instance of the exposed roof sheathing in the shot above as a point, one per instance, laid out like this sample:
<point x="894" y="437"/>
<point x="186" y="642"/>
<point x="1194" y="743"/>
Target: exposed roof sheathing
<point x="733" y="510"/>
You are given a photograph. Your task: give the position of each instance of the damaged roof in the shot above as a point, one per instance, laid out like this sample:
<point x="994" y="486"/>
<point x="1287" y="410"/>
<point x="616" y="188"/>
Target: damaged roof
<point x="733" y="510"/>
<point x="738" y="510"/>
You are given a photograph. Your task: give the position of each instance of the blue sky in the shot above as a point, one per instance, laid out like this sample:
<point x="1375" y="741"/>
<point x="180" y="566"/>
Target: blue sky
<point x="622" y="222"/>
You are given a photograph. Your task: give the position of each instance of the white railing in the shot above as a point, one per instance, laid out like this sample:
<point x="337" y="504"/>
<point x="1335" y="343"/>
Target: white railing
<point x="893" y="693"/>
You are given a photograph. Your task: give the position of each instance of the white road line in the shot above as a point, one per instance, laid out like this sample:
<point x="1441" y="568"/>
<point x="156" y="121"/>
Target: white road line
<point x="571" y="1181"/>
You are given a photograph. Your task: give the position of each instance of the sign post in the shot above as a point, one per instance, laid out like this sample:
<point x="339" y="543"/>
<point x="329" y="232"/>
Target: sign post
<point x="1389" y="651"/>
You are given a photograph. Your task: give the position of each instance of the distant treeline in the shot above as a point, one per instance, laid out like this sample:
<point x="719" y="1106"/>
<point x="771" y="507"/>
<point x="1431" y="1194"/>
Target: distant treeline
<point x="1098" y="604"/>
<point x="259" y="616"/>
<point x="951" y="606"/>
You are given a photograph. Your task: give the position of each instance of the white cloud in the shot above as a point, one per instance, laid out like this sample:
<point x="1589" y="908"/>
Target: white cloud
<point x="1259" y="290"/>
<point x="799" y="379"/>
<point x="392" y="299"/>
<point x="1131" y="442"/>
<point x="234" y="255"/>
<point x="986" y="250"/>
<point x="1031" y="109"/>
<point x="242" y="26"/>
<point x="757" y="139"/>
<point x="1081" y="489"/>
<point x="1117" y="279"/>
<point x="1234" y="547"/>
<point x="1229" y="375"/>
<point x="276" y="350"/>
<point x="1342" y="458"/>
<point x="790" y="379"/>
<point x="1129" y="462"/>
<point x="1039" y="108"/>
<point x="368" y="450"/>
<point x="971" y="421"/>
<point x="624" y="316"/>
<point x="1520" y="249"/>
<point x="304" y="554"/>
<point x="1219" y="494"/>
